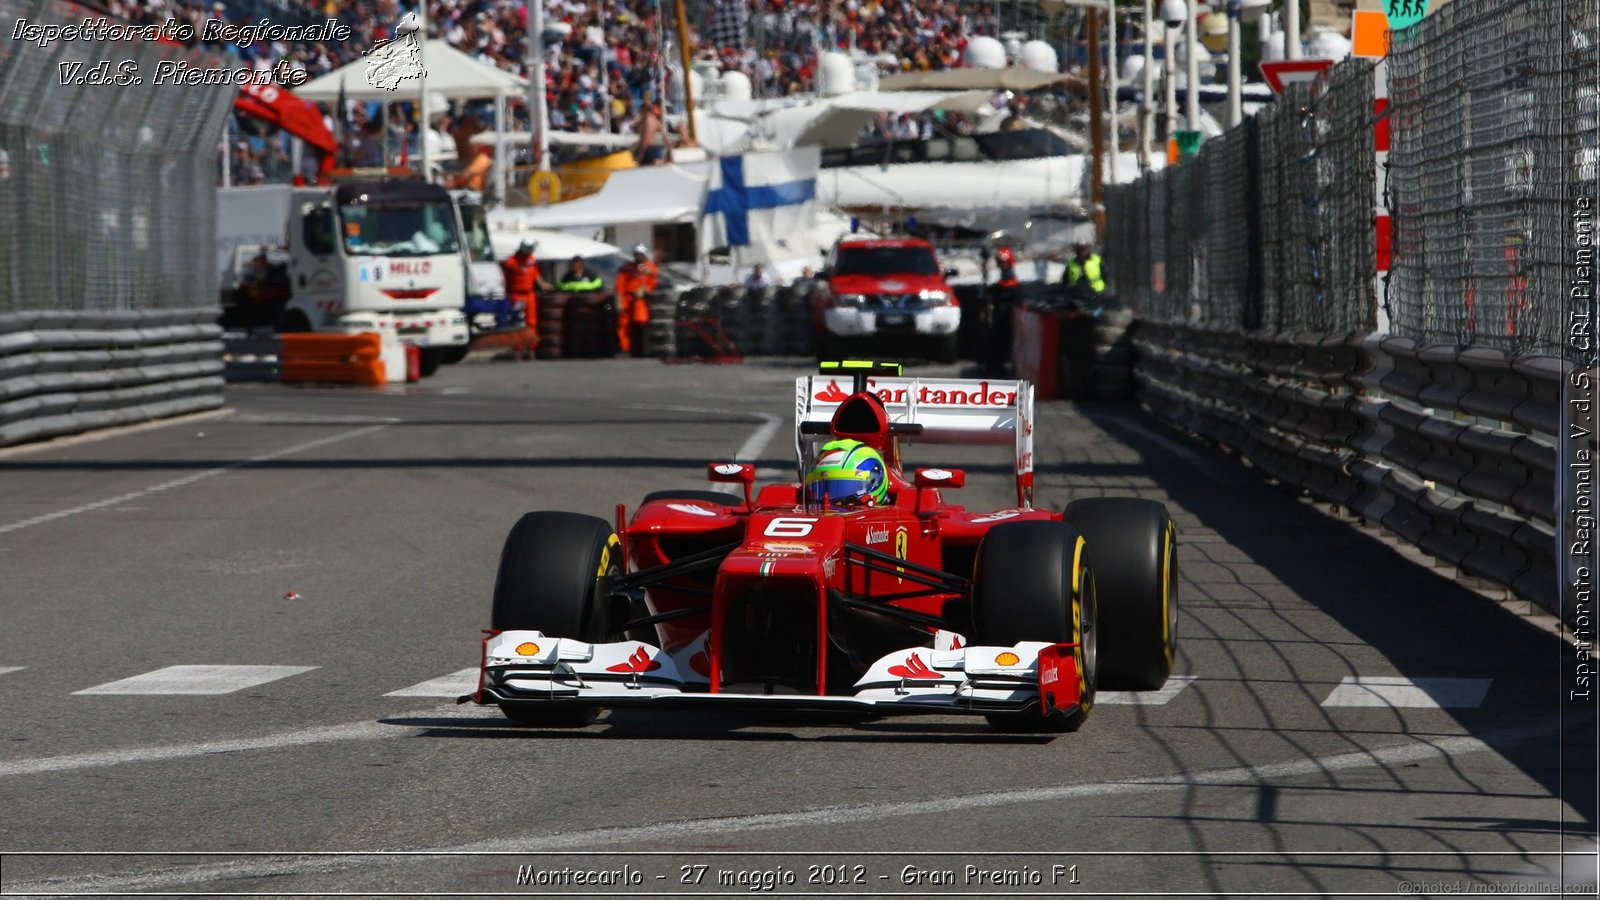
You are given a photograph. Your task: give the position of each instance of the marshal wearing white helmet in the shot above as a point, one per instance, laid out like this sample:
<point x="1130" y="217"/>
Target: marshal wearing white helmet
<point x="634" y="284"/>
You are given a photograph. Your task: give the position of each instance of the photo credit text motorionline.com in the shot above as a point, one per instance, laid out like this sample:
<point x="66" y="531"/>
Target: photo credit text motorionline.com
<point x="174" y="72"/>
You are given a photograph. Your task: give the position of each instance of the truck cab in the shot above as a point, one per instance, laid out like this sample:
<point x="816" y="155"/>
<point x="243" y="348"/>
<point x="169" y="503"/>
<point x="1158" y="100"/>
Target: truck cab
<point x="487" y="308"/>
<point x="379" y="256"/>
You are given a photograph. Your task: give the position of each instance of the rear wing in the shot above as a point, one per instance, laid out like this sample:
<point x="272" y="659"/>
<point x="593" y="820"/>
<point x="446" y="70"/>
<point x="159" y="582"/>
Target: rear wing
<point x="950" y="411"/>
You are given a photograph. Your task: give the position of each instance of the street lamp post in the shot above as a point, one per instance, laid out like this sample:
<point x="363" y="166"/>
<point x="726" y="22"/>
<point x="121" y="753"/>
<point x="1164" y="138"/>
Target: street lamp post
<point x="1235" y="89"/>
<point x="1191" y="81"/>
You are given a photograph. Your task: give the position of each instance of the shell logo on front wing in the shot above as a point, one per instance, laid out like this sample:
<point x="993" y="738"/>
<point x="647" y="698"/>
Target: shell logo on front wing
<point x="640" y="661"/>
<point x="914" y="668"/>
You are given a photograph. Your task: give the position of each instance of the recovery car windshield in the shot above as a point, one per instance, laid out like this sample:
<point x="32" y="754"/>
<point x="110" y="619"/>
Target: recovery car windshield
<point x="886" y="261"/>
<point x="395" y="227"/>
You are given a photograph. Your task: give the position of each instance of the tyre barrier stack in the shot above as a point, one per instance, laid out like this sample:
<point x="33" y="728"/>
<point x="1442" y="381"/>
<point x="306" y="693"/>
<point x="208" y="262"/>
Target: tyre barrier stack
<point x="1072" y="352"/>
<point x="659" y="337"/>
<point x="1452" y="450"/>
<point x="66" y="372"/>
<point x="576" y="325"/>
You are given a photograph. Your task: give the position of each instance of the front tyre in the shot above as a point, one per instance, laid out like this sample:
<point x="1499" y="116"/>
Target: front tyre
<point x="1134" y="545"/>
<point x="554" y="577"/>
<point x="1032" y="582"/>
<point x="429" y="359"/>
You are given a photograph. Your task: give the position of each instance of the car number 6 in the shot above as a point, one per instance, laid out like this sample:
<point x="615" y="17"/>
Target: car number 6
<point x="789" y="526"/>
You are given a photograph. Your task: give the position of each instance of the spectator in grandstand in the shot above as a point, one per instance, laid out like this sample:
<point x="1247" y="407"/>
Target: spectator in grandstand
<point x="652" y="147"/>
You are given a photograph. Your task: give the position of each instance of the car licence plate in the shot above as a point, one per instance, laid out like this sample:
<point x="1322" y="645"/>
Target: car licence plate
<point x="894" y="320"/>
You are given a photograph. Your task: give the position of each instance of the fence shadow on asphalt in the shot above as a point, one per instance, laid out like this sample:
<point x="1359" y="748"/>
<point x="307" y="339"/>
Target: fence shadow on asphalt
<point x="1422" y="623"/>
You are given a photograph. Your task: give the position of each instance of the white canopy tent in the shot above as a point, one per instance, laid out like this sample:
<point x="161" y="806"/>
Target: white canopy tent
<point x="451" y="74"/>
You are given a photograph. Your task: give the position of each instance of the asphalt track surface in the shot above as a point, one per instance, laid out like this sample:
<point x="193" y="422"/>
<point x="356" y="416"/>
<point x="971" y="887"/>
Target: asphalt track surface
<point x="350" y="537"/>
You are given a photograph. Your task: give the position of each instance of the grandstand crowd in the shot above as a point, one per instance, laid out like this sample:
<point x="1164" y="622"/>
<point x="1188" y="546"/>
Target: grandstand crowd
<point x="606" y="66"/>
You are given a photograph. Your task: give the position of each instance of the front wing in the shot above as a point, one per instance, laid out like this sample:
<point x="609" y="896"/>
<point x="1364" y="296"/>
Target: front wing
<point x="530" y="668"/>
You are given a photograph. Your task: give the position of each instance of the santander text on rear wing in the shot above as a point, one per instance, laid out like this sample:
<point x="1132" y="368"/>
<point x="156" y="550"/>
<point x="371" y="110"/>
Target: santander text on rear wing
<point x="950" y="411"/>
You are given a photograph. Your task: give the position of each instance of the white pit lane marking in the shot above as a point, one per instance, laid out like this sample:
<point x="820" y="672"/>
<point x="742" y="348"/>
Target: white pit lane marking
<point x="5" y="670"/>
<point x="187" y="479"/>
<point x="1395" y="692"/>
<point x="1417" y="750"/>
<point x="453" y="685"/>
<point x="197" y="680"/>
<point x="1174" y="686"/>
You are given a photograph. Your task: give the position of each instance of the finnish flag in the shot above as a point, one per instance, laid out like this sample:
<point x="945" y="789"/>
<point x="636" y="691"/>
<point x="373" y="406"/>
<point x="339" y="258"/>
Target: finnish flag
<point x="761" y="199"/>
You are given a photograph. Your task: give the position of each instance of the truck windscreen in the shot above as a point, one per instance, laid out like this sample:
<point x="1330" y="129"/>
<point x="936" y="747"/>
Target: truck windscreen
<point x="398" y="228"/>
<point x="476" y="230"/>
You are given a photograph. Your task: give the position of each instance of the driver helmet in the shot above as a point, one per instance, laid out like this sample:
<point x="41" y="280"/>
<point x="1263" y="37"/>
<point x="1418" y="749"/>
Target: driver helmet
<point x="641" y="250"/>
<point x="848" y="473"/>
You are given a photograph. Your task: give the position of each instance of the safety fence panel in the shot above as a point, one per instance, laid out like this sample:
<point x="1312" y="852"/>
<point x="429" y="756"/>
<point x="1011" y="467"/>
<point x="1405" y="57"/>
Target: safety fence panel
<point x="64" y="372"/>
<point x="108" y="287"/>
<point x="1268" y="228"/>
<point x="1492" y="130"/>
<point x="1452" y="450"/>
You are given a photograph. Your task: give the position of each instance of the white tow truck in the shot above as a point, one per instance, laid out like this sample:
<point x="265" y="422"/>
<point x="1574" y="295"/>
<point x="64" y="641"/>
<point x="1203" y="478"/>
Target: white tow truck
<point x="380" y="256"/>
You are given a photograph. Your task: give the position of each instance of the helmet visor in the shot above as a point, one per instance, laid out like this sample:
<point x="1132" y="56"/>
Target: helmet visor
<point x="837" y="491"/>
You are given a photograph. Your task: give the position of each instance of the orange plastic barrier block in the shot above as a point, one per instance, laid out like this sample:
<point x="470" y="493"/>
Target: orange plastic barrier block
<point x="308" y="346"/>
<point x="340" y="371"/>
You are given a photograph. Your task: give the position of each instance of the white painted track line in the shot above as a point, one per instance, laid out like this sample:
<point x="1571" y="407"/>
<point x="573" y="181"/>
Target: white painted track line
<point x="352" y="731"/>
<point x="6" y="669"/>
<point x="1175" y="685"/>
<point x="197" y="680"/>
<point x="188" y="479"/>
<point x="752" y="449"/>
<point x="1395" y="692"/>
<point x="453" y="685"/>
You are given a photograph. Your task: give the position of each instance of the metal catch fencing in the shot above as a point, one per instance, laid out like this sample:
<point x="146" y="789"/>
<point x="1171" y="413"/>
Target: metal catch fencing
<point x="1493" y="126"/>
<point x="107" y="209"/>
<point x="1268" y="228"/>
<point x="1262" y="323"/>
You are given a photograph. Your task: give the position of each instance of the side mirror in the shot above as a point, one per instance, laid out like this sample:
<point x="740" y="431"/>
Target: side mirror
<point x="734" y="473"/>
<point x="939" y="478"/>
<point x="951" y="273"/>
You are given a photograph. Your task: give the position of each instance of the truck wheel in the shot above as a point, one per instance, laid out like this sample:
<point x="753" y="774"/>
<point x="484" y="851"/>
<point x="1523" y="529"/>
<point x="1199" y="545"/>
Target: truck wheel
<point x="1134" y="546"/>
<point x="948" y="348"/>
<point x="453" y="354"/>
<point x="554" y="577"/>
<point x="429" y="360"/>
<point x="1032" y="582"/>
<point x="293" y="322"/>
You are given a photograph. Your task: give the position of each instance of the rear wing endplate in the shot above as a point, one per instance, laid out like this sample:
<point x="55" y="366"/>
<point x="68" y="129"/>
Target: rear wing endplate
<point x="950" y="411"/>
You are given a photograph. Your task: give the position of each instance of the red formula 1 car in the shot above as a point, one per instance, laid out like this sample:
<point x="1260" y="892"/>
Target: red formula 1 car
<point x="911" y="606"/>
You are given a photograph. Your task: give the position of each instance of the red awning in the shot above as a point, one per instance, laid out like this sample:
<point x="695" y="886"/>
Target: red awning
<point x="285" y="110"/>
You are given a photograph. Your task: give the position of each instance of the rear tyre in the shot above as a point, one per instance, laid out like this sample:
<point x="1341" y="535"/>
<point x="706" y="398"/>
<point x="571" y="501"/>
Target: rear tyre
<point x="1134" y="546"/>
<point x="554" y="577"/>
<point x="453" y="354"/>
<point x="1032" y="582"/>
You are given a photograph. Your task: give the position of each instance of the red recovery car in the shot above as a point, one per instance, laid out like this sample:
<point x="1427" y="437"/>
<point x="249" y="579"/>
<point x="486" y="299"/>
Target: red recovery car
<point x="916" y="606"/>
